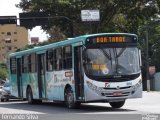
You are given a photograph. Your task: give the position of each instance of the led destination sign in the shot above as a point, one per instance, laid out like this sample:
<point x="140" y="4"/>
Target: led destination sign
<point x="112" y="39"/>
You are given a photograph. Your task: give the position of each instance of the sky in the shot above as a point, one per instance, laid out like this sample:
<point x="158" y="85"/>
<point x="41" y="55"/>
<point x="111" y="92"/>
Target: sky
<point x="8" y="8"/>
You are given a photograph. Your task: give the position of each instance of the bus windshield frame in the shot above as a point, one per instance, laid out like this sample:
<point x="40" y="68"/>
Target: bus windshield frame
<point x="118" y="61"/>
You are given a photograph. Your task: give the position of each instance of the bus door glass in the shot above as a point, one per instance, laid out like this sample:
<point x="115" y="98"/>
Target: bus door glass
<point x="78" y="73"/>
<point x="41" y="76"/>
<point x="19" y="77"/>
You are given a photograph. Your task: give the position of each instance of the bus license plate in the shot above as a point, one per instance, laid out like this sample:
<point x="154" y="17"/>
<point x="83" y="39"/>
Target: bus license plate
<point x="117" y="93"/>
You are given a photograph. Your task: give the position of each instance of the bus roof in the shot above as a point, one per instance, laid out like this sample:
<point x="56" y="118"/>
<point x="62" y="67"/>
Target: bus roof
<point x="62" y="43"/>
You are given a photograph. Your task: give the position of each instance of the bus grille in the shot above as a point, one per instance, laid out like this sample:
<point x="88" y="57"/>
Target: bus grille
<point x="112" y="94"/>
<point x="116" y="88"/>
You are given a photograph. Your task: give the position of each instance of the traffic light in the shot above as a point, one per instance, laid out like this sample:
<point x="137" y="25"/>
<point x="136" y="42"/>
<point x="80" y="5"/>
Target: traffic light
<point x="8" y="20"/>
<point x="32" y="19"/>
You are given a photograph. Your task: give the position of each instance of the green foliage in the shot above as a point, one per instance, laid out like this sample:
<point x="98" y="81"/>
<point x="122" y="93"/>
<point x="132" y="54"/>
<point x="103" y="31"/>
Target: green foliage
<point x="116" y="15"/>
<point x="25" y="48"/>
<point x="56" y="35"/>
<point x="3" y="74"/>
<point x="3" y="71"/>
<point x="154" y="45"/>
<point x="32" y="46"/>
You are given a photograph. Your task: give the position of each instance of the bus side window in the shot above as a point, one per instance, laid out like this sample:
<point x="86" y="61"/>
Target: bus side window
<point x="49" y="58"/>
<point x="29" y="63"/>
<point x="67" y="57"/>
<point x="58" y="60"/>
<point x="54" y="59"/>
<point x="25" y="64"/>
<point x="33" y="63"/>
<point x="13" y="65"/>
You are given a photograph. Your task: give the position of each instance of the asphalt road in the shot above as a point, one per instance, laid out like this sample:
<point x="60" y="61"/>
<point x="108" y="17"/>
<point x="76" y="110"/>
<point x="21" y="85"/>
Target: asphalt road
<point x="134" y="109"/>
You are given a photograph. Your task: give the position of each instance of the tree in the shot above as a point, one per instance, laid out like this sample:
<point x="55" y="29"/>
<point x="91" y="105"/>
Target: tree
<point x="154" y="45"/>
<point x="116" y="15"/>
<point x="55" y="35"/>
<point x="3" y="71"/>
<point x="3" y="74"/>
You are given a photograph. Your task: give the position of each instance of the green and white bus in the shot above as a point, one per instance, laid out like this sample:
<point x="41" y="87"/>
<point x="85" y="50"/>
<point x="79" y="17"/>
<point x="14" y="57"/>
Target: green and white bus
<point x="101" y="67"/>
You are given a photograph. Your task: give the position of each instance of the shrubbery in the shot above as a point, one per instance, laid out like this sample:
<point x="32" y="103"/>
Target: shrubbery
<point x="3" y="71"/>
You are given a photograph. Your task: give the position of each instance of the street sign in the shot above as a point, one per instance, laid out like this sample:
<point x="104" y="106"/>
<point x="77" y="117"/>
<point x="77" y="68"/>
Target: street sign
<point x="32" y="19"/>
<point x="90" y="15"/>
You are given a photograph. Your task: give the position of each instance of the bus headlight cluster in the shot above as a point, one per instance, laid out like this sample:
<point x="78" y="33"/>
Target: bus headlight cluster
<point x="137" y="85"/>
<point x="94" y="87"/>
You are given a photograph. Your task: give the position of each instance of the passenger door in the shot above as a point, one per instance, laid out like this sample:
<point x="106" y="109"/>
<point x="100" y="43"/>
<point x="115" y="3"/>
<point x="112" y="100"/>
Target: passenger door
<point x="78" y="73"/>
<point x="41" y="75"/>
<point x="19" y="77"/>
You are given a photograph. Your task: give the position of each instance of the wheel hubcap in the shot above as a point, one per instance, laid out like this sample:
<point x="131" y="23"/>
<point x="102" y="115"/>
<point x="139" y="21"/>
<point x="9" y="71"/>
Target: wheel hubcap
<point x="29" y="97"/>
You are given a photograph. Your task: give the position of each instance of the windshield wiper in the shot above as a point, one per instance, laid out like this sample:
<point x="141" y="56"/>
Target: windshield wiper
<point x="106" y="54"/>
<point x="120" y="53"/>
<point x="116" y="59"/>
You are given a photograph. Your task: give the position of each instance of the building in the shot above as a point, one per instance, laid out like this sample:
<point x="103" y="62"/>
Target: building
<point x="12" y="37"/>
<point x="34" y="40"/>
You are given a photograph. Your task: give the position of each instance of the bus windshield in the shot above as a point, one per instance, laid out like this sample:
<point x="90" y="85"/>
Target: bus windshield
<point x="112" y="61"/>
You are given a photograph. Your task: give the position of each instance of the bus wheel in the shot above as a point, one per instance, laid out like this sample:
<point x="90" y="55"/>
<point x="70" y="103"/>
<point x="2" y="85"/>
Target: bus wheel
<point x="37" y="101"/>
<point x="29" y="96"/>
<point x="117" y="104"/>
<point x="2" y="100"/>
<point x="69" y="98"/>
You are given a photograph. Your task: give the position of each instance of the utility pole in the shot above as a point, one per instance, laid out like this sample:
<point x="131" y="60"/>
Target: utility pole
<point x="147" y="61"/>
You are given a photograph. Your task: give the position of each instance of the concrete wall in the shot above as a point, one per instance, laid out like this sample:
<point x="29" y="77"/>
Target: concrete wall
<point x="156" y="82"/>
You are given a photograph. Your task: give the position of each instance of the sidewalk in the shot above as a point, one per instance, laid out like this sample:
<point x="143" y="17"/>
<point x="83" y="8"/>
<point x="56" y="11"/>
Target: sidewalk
<point x="150" y="102"/>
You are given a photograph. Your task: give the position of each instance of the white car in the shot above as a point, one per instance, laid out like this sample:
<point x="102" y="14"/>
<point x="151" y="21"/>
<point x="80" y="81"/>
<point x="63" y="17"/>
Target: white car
<point x="5" y="93"/>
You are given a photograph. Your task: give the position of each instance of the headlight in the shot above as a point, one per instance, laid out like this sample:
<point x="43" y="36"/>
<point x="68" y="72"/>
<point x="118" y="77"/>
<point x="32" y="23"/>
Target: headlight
<point x="94" y="87"/>
<point x="137" y="85"/>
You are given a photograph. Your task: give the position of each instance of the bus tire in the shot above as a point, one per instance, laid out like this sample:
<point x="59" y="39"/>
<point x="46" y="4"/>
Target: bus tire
<point x="37" y="101"/>
<point x="29" y="96"/>
<point x="69" y="98"/>
<point x="2" y="100"/>
<point x="117" y="104"/>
